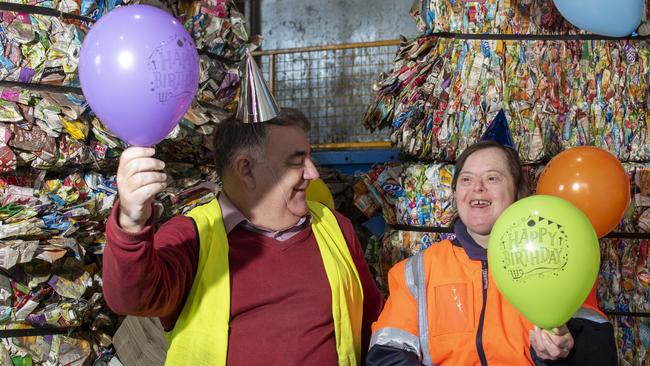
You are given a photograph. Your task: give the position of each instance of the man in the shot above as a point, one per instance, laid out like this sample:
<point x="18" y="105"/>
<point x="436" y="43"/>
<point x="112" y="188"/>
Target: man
<point x="257" y="276"/>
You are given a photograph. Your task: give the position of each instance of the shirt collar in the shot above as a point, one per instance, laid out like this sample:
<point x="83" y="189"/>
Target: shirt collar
<point x="232" y="217"/>
<point x="473" y="250"/>
<point x="230" y="213"/>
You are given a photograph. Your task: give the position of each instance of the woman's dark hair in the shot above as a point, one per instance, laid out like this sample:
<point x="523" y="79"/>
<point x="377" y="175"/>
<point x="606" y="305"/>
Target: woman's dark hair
<point x="514" y="165"/>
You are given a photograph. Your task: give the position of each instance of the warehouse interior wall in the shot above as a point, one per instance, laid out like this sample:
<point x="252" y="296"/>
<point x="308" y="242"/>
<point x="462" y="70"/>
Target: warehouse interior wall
<point x="301" y="23"/>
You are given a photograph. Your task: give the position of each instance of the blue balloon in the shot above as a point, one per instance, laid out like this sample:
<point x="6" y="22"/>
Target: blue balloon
<point x="613" y="18"/>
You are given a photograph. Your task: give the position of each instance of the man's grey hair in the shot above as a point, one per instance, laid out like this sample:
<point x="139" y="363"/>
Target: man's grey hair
<point x="233" y="136"/>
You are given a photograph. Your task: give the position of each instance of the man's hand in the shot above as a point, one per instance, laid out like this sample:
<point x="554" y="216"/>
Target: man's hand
<point x="139" y="178"/>
<point x="551" y="345"/>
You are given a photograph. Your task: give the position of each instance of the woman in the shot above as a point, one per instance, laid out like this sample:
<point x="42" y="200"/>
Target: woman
<point x="467" y="321"/>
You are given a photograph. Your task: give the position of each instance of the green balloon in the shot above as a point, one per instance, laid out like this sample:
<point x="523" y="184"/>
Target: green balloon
<point x="544" y="255"/>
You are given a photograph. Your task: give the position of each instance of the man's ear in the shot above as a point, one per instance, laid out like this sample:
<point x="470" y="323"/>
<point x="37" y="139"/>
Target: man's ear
<point x="242" y="167"/>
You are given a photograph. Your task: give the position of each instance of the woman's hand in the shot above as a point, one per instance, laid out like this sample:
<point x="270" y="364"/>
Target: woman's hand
<point x="551" y="345"/>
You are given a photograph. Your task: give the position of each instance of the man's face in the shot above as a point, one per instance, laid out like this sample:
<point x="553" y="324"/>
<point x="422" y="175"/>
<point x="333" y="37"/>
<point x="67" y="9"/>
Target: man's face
<point x="284" y="171"/>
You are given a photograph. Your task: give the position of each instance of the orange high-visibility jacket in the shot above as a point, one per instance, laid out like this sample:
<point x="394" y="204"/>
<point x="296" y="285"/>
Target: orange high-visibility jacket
<point x="466" y="320"/>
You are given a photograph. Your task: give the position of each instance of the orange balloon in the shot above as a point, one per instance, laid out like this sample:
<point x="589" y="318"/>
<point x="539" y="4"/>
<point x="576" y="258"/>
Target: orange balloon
<point x="593" y="180"/>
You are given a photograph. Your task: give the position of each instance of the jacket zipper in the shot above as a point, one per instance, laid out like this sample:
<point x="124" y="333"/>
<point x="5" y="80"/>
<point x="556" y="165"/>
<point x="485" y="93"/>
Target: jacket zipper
<point x="479" y="333"/>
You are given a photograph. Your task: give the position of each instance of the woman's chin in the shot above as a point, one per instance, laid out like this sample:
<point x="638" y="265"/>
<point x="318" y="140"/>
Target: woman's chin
<point x="479" y="228"/>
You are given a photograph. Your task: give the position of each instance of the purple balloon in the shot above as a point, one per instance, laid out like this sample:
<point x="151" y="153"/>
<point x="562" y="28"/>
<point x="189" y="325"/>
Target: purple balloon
<point x="139" y="72"/>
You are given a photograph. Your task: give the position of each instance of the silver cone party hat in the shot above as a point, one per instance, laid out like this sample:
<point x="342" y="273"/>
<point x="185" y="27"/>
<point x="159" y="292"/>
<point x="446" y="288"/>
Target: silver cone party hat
<point x="256" y="103"/>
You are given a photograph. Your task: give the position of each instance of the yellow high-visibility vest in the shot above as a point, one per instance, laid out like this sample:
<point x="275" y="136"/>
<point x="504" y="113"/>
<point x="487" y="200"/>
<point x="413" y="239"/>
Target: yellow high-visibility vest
<point x="200" y="335"/>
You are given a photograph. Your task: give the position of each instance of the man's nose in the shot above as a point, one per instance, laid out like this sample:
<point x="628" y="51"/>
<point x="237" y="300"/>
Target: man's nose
<point x="310" y="172"/>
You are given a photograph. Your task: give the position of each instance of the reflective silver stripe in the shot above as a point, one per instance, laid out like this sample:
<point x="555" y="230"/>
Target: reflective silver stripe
<point x="410" y="281"/>
<point x="415" y="265"/>
<point x="396" y="338"/>
<point x="590" y="314"/>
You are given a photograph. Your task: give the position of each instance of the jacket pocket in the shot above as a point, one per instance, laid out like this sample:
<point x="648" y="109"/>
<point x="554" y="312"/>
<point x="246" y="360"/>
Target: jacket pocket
<point x="453" y="311"/>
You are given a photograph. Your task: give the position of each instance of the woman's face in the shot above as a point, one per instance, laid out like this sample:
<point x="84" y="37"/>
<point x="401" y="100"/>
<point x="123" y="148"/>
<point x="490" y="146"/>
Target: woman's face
<point x="484" y="189"/>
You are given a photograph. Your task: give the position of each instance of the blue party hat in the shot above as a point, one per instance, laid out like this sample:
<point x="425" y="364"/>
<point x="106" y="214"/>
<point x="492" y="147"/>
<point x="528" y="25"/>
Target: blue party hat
<point x="499" y="131"/>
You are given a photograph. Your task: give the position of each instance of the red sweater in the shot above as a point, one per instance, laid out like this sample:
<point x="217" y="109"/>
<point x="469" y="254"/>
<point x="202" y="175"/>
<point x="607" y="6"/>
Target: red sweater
<point x="281" y="307"/>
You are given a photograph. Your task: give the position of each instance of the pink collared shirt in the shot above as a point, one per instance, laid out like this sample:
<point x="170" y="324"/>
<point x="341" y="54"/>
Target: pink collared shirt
<point x="233" y="217"/>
